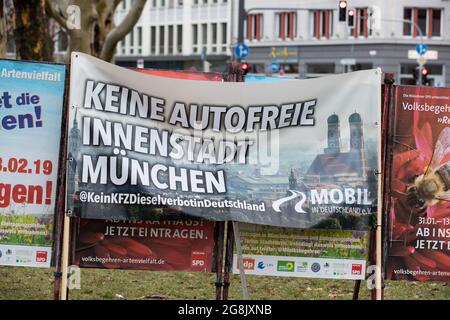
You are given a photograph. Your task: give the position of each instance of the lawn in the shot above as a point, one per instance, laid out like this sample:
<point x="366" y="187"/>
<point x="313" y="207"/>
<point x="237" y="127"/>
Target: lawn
<point x="31" y="283"/>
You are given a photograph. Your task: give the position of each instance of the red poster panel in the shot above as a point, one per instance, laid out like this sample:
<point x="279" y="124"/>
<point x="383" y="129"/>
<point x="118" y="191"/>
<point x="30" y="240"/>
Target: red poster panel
<point x="419" y="232"/>
<point x="188" y="75"/>
<point x="182" y="245"/>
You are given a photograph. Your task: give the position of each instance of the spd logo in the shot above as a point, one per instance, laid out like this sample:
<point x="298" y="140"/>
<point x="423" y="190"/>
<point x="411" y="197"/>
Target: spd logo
<point x="198" y="259"/>
<point x="41" y="256"/>
<point x="356" y="269"/>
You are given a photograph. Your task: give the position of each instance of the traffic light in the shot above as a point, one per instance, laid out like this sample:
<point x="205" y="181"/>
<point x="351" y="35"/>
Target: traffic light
<point x="425" y="80"/>
<point x="342" y="10"/>
<point x="244" y="68"/>
<point x="351" y="18"/>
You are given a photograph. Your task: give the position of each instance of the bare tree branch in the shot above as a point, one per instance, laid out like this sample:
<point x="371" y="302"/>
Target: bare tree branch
<point x="122" y="30"/>
<point x="55" y="10"/>
<point x="116" y="3"/>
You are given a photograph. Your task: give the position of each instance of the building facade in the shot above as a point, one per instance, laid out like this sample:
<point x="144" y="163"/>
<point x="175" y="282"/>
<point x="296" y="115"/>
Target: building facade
<point x="294" y="38"/>
<point x="306" y="39"/>
<point x="178" y="35"/>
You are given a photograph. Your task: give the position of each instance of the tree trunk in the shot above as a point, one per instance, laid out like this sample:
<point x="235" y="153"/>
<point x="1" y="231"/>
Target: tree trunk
<point x="3" y="30"/>
<point x="81" y="39"/>
<point x="31" y="31"/>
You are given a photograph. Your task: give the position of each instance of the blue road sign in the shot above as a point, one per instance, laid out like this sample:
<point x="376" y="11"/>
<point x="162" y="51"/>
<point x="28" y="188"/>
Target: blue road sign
<point x="421" y="48"/>
<point x="241" y="51"/>
<point x="274" y="66"/>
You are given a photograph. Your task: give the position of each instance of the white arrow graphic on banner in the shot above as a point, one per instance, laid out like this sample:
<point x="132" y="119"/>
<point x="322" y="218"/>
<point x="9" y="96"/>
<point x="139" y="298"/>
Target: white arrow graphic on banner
<point x="294" y="194"/>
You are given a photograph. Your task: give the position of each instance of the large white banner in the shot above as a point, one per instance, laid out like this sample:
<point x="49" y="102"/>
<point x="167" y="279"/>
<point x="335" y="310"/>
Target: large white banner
<point x="295" y="153"/>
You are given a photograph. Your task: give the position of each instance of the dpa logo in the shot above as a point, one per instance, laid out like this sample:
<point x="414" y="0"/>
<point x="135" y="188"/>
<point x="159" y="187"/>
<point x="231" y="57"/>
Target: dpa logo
<point x="249" y="264"/>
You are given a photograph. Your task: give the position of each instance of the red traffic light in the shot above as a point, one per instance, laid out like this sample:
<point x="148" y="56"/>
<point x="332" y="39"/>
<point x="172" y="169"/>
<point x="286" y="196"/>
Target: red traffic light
<point x="342" y="4"/>
<point x="244" y="66"/>
<point x="351" y="13"/>
<point x="425" y="72"/>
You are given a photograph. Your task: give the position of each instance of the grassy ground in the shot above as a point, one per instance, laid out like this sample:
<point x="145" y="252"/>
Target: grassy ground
<point x="30" y="283"/>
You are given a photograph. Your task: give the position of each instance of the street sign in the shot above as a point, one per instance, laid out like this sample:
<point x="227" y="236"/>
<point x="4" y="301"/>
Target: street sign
<point x="274" y="66"/>
<point x="421" y="48"/>
<point x="429" y="55"/>
<point x="140" y="63"/>
<point x="348" y="62"/>
<point x="241" y="51"/>
<point x="421" y="61"/>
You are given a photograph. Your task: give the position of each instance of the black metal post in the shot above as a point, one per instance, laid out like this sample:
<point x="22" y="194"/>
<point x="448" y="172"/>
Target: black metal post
<point x="228" y="260"/>
<point x="241" y="19"/>
<point x="219" y="239"/>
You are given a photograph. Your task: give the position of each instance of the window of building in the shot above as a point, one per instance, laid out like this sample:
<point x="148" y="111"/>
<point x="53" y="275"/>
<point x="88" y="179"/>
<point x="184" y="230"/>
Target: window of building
<point x="286" y="25"/>
<point x="139" y="33"/>
<point x="429" y="20"/>
<point x="170" y="39"/>
<point x="361" y="23"/>
<point x="131" y="39"/>
<point x="214" y="36"/>
<point x="407" y="27"/>
<point x="289" y="67"/>
<point x="139" y="39"/>
<point x="435" y="23"/>
<point x="161" y="39"/>
<point x="320" y="68"/>
<point x="204" y="33"/>
<point x="63" y="41"/>
<point x="322" y="23"/>
<point x="223" y="27"/>
<point x="195" y="38"/>
<point x="122" y="45"/>
<point x="421" y="19"/>
<point x="179" y="38"/>
<point x="362" y="66"/>
<point x="257" y="68"/>
<point x="254" y="27"/>
<point x="152" y="40"/>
